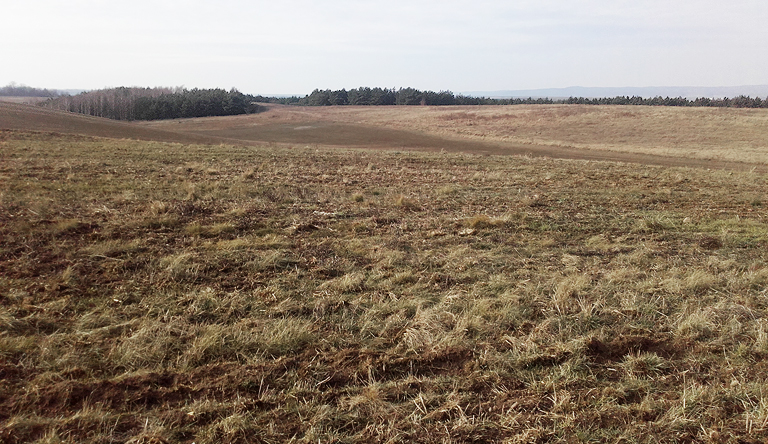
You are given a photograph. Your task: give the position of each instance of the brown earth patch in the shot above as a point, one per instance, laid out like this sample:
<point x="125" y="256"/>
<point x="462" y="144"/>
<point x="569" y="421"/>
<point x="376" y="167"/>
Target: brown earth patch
<point x="618" y="348"/>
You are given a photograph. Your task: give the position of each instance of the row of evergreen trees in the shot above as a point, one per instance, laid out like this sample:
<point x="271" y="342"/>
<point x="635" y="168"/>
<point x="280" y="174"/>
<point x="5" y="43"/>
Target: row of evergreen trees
<point x="195" y="103"/>
<point x="736" y="102"/>
<point x="411" y="96"/>
<point x="156" y="103"/>
<point x="377" y="96"/>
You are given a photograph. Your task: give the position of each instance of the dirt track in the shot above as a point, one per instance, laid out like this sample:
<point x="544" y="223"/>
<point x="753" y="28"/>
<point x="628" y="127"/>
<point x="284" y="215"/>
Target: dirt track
<point x="284" y="125"/>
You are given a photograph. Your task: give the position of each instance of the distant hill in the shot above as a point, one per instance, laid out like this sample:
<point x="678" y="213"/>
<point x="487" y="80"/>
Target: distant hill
<point x="688" y="92"/>
<point x="15" y="116"/>
<point x="15" y="90"/>
<point x="23" y="99"/>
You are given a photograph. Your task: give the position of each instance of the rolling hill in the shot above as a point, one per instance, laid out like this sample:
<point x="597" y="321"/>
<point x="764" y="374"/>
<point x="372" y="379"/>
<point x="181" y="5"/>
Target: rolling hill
<point x="729" y="139"/>
<point x="21" y="117"/>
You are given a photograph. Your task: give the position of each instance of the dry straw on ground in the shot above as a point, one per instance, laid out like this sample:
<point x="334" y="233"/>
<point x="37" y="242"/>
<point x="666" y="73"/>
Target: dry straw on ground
<point x="155" y="292"/>
<point x="628" y="133"/>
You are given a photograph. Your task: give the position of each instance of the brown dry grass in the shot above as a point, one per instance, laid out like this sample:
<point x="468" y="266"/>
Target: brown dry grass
<point x="154" y="292"/>
<point x="23" y="100"/>
<point x="705" y="134"/>
<point x="24" y="117"/>
<point x="721" y="138"/>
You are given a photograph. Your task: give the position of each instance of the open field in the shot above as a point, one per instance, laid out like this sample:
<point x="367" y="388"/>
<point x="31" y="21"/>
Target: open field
<point x="171" y="293"/>
<point x="16" y="116"/>
<point x="707" y="137"/>
<point x="24" y="100"/>
<point x="717" y="138"/>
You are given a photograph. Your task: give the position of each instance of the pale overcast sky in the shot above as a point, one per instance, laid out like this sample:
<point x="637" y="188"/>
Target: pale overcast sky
<point x="295" y="46"/>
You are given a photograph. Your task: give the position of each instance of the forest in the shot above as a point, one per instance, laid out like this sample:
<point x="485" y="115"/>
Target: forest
<point x="411" y="96"/>
<point x="156" y="103"/>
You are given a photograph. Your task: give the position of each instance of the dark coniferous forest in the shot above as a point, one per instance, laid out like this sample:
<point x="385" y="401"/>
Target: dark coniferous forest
<point x="411" y="96"/>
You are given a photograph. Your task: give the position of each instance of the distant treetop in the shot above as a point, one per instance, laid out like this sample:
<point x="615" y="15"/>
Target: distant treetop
<point x="15" y="90"/>
<point x="411" y="96"/>
<point x="156" y="103"/>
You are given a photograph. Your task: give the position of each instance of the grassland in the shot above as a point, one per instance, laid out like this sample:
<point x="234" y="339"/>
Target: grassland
<point x="24" y="100"/>
<point x="155" y="292"/>
<point x="706" y="137"/>
<point x="26" y="117"/>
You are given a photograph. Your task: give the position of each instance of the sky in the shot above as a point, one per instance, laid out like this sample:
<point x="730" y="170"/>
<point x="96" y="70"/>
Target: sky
<point x="295" y="46"/>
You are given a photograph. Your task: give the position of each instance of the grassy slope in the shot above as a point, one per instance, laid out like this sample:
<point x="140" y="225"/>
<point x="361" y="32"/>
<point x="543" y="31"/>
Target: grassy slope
<point x="700" y="133"/>
<point x="174" y="293"/>
<point x="641" y="134"/>
<point x="23" y="100"/>
<point x="732" y="139"/>
<point x="24" y="117"/>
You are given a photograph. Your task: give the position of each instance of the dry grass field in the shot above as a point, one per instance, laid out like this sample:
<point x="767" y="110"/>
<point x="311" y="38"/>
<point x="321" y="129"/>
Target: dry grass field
<point x="155" y="292"/>
<point x="25" y="117"/>
<point x="24" y="100"/>
<point x="716" y="137"/>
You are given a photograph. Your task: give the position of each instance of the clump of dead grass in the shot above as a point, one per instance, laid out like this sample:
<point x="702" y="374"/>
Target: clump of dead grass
<point x="406" y="203"/>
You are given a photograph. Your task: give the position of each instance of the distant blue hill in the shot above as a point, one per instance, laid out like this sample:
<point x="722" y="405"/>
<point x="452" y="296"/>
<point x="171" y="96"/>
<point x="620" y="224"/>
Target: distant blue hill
<point x="688" y="92"/>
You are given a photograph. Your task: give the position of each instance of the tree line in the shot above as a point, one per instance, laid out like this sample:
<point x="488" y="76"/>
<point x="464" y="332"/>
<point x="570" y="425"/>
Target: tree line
<point x="14" y="90"/>
<point x="376" y="97"/>
<point x="134" y="103"/>
<point x="411" y="96"/>
<point x="725" y="102"/>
